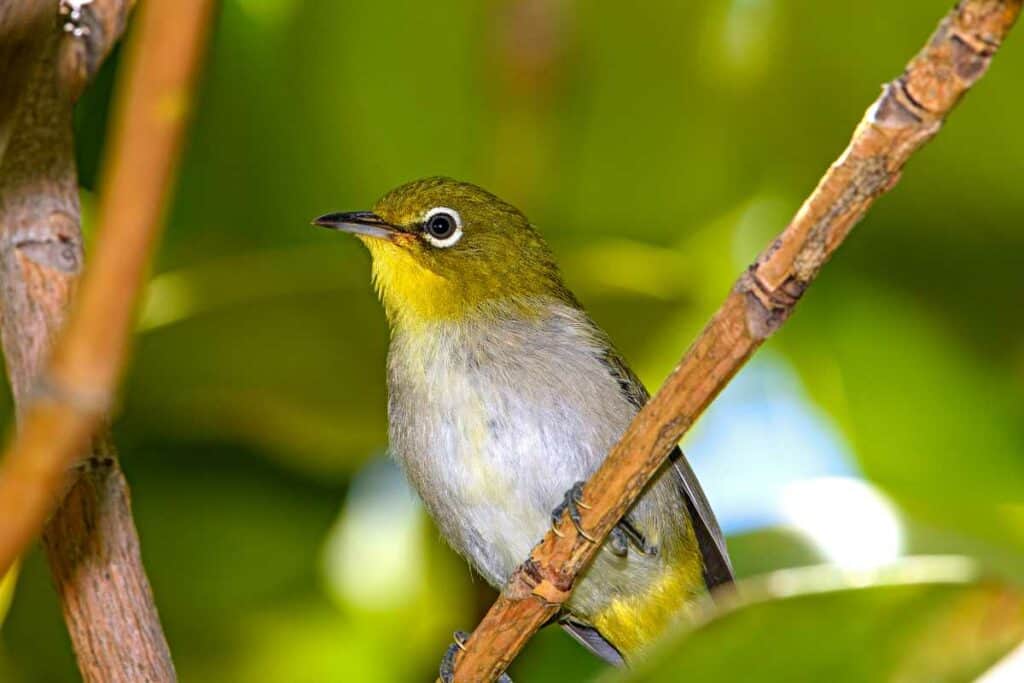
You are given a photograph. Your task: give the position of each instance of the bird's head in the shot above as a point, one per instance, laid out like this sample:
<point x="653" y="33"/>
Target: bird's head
<point x="448" y="250"/>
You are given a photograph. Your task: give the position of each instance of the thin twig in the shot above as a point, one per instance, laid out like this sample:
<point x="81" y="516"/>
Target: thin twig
<point x="909" y="112"/>
<point x="73" y="396"/>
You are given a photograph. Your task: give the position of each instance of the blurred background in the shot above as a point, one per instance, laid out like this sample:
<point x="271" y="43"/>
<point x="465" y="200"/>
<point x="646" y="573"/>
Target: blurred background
<point x="658" y="146"/>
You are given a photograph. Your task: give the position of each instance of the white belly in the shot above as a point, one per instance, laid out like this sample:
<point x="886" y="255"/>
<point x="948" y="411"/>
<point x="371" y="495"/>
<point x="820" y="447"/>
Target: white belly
<point x="494" y="426"/>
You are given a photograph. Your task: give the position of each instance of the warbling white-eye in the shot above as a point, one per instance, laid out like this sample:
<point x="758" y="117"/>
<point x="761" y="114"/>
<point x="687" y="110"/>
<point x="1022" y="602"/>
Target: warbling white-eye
<point x="504" y="395"/>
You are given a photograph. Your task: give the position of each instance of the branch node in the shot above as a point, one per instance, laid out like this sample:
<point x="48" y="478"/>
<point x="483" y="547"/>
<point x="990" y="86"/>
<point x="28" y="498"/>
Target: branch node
<point x="550" y="593"/>
<point x="59" y="247"/>
<point x="95" y="463"/>
<point x="897" y="107"/>
<point x="767" y="307"/>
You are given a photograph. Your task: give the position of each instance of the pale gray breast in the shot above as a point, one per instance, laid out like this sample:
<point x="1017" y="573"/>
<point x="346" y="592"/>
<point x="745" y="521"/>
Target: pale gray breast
<point x="494" y="421"/>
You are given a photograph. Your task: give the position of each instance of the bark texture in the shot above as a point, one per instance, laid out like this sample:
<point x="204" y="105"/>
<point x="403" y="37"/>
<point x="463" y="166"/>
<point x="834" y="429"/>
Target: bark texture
<point x="81" y="57"/>
<point x="908" y="114"/>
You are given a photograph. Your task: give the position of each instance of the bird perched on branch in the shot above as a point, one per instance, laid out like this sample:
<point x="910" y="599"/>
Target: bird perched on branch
<point x="504" y="396"/>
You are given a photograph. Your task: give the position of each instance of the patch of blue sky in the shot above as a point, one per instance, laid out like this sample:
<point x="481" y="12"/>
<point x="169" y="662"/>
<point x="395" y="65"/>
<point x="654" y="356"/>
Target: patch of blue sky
<point x="760" y="436"/>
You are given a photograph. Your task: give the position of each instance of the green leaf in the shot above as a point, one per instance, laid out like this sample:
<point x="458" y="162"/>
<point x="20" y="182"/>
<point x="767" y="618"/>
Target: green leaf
<point x="923" y="620"/>
<point x="8" y="582"/>
<point x="937" y="426"/>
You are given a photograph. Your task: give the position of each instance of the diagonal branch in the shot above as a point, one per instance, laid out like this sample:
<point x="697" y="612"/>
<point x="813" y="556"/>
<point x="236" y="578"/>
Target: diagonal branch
<point x="908" y="114"/>
<point x="61" y="407"/>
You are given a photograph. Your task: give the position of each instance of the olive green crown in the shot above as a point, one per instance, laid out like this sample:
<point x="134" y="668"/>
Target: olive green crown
<point x="500" y="258"/>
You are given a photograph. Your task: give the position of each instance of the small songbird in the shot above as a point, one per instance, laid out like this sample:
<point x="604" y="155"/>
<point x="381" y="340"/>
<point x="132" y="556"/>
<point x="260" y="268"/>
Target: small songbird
<point x="504" y="396"/>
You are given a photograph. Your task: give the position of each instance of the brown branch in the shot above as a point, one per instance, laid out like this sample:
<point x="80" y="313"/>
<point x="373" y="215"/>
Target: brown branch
<point x="94" y="556"/>
<point x="24" y="30"/>
<point x="26" y="27"/>
<point x="909" y="112"/>
<point x="91" y="541"/>
<point x="81" y="58"/>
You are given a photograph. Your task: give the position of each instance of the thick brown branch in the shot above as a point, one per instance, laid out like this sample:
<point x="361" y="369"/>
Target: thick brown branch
<point x="25" y="28"/>
<point x="66" y="407"/>
<point x="93" y="551"/>
<point x="81" y="58"/>
<point x="907" y="114"/>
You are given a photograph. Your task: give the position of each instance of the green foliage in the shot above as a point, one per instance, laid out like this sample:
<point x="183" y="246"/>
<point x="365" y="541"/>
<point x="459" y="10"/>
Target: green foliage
<point x="7" y="584"/>
<point x="918" y="631"/>
<point x="657" y="147"/>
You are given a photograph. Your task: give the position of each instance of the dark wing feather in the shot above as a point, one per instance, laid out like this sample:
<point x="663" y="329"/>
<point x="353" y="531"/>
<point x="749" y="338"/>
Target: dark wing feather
<point x="715" y="556"/>
<point x="590" y="638"/>
<point x="717" y="567"/>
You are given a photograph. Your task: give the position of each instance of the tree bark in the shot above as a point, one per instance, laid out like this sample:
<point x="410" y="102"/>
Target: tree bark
<point x="908" y="114"/>
<point x="24" y="29"/>
<point x="80" y="58"/>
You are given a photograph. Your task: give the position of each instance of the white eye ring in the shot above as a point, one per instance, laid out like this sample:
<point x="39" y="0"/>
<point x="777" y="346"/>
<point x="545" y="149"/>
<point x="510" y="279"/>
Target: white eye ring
<point x="449" y="240"/>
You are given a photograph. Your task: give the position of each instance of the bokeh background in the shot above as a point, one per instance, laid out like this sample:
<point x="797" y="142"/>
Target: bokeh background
<point x="658" y="146"/>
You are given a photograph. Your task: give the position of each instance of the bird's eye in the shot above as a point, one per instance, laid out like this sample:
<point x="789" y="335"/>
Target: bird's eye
<point x="442" y="226"/>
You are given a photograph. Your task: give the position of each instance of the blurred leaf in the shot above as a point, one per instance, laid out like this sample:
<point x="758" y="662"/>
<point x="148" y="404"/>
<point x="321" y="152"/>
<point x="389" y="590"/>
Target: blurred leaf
<point x="288" y="357"/>
<point x="935" y="427"/>
<point x="8" y="582"/>
<point x="35" y="644"/>
<point x="766" y="550"/>
<point x="810" y="625"/>
<point x="552" y="656"/>
<point x="234" y="547"/>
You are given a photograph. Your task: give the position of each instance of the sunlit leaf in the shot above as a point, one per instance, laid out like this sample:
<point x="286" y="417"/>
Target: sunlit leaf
<point x="932" y="425"/>
<point x="813" y="625"/>
<point x="8" y="582"/>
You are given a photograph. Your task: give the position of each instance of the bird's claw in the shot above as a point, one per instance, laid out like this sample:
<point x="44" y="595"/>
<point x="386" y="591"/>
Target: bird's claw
<point x="571" y="503"/>
<point x="447" y="669"/>
<point x="625" y="534"/>
<point x="618" y="543"/>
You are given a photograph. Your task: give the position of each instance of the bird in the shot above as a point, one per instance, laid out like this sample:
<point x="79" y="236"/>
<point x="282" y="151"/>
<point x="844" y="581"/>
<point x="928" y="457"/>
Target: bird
<point x="504" y="396"/>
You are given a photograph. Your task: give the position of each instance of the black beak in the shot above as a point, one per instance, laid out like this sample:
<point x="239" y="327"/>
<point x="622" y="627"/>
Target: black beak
<point x="358" y="223"/>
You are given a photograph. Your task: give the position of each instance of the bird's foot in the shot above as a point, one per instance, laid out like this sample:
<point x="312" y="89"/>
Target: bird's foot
<point x="572" y="502"/>
<point x="447" y="669"/>
<point x="621" y="537"/>
<point x="624" y="535"/>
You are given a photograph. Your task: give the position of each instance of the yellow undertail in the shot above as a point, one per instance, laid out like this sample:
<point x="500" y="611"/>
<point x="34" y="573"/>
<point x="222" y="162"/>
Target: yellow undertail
<point x="634" y="622"/>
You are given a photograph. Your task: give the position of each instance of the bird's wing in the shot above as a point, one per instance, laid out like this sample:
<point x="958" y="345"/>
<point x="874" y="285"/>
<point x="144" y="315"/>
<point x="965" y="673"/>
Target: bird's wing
<point x="715" y="556"/>
<point x="590" y="638"/>
<point x="717" y="567"/>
